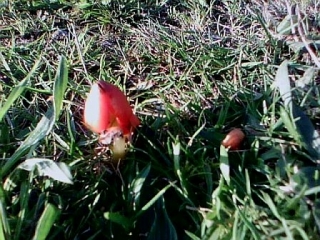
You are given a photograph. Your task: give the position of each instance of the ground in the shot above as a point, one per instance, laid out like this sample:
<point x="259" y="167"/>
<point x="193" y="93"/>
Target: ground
<point x="192" y="71"/>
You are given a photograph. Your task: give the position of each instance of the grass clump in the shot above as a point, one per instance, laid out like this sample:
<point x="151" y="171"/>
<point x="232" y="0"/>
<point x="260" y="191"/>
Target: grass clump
<point x="193" y="70"/>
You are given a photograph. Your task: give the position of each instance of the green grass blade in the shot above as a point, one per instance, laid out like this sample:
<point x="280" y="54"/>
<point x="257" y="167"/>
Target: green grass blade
<point x="60" y="86"/>
<point x="2" y="235"/>
<point x="4" y="221"/>
<point x="192" y="236"/>
<point x="24" y="197"/>
<point x="177" y="168"/>
<point x="287" y="24"/>
<point x="307" y="78"/>
<point x="311" y="191"/>
<point x="162" y="227"/>
<point x="18" y="90"/>
<point x="249" y="224"/>
<point x="309" y="135"/>
<point x="58" y="171"/>
<point x="4" y="63"/>
<point x="289" y="123"/>
<point x="235" y="228"/>
<point x="42" y="129"/>
<point x="267" y="199"/>
<point x="116" y="217"/>
<point x="137" y="184"/>
<point x="224" y="164"/>
<point x="283" y="83"/>
<point x="46" y="221"/>
<point x="152" y="201"/>
<point x="316" y="213"/>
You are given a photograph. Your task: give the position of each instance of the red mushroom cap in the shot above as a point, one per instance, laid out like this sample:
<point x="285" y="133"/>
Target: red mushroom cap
<point x="107" y="107"/>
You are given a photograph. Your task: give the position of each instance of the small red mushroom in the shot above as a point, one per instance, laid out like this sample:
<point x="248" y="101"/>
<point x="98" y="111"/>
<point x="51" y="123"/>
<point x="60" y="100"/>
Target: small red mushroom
<point x="234" y="139"/>
<point x="108" y="113"/>
<point x="106" y="107"/>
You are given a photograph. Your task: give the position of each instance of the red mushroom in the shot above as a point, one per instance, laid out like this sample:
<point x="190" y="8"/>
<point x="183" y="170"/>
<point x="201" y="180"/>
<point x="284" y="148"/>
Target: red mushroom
<point x="108" y="113"/>
<point x="234" y="139"/>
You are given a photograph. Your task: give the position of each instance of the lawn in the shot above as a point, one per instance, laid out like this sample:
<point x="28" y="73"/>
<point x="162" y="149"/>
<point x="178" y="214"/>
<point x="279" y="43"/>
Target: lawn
<point x="193" y="71"/>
